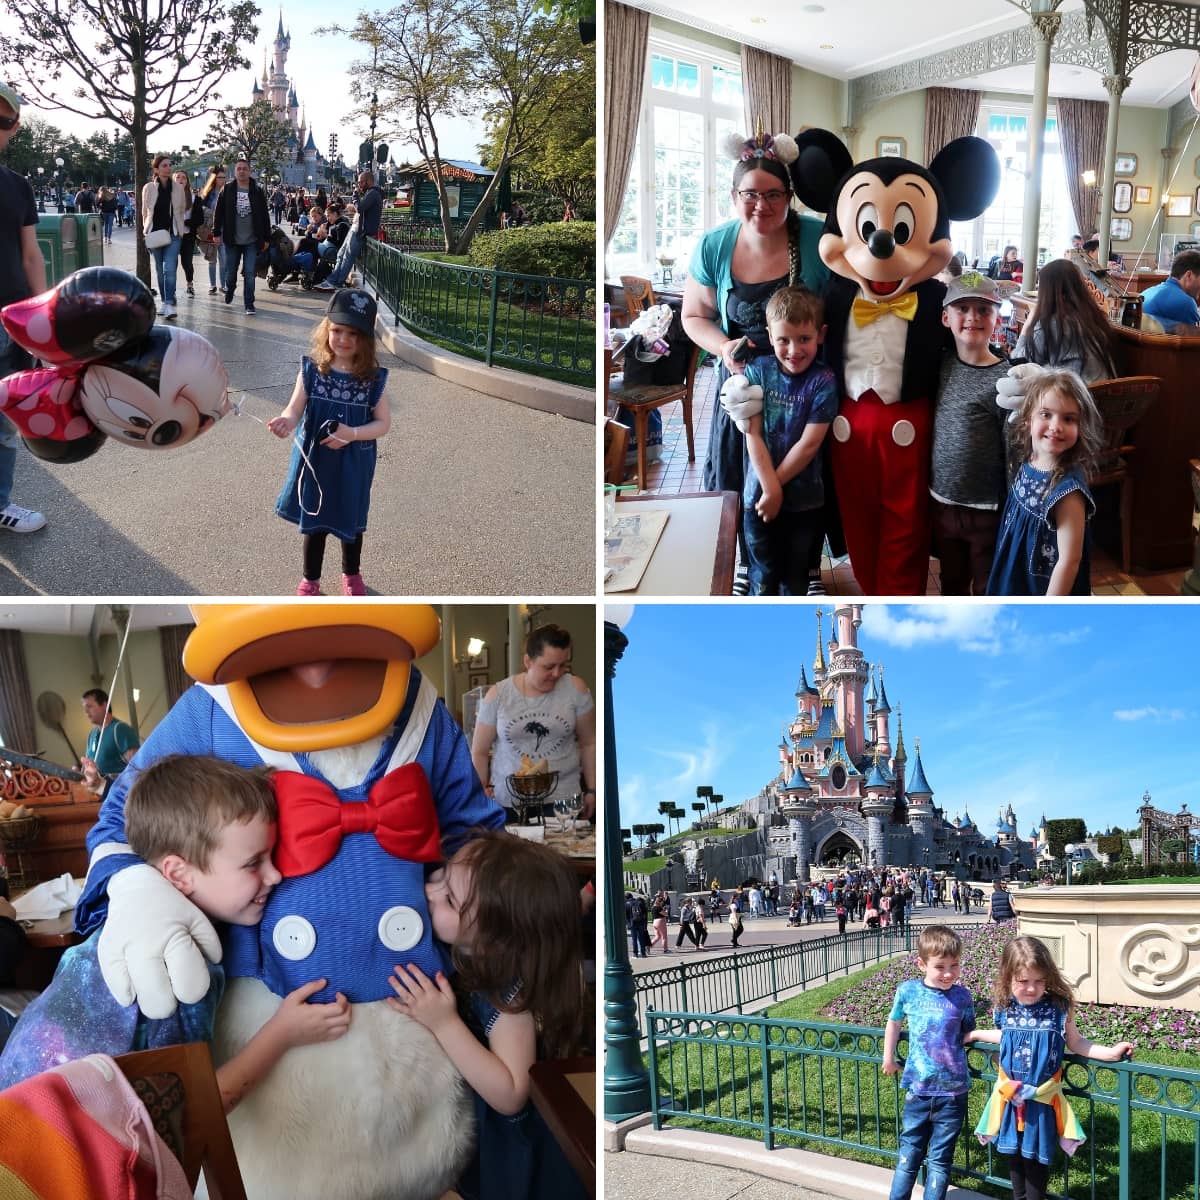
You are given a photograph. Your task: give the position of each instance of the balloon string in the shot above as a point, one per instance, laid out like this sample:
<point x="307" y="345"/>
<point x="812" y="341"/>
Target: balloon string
<point x="112" y="686"/>
<point x="238" y="407"/>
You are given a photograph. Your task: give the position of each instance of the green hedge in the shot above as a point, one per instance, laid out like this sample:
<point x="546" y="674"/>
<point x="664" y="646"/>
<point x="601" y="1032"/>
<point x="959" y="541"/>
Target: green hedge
<point x="564" y="250"/>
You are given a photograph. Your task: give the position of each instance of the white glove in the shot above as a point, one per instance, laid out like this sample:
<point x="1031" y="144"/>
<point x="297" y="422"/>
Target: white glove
<point x="150" y="947"/>
<point x="1011" y="388"/>
<point x="741" y="400"/>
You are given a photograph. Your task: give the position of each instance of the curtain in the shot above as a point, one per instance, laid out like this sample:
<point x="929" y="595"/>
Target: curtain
<point x="766" y="91"/>
<point x="16" y="701"/>
<point x="625" y="33"/>
<point x="1082" y="125"/>
<point x="171" y="639"/>
<point x="949" y="113"/>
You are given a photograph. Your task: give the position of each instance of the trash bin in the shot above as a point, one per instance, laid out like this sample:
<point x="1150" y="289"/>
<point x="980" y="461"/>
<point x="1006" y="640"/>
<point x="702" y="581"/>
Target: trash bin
<point x="69" y="241"/>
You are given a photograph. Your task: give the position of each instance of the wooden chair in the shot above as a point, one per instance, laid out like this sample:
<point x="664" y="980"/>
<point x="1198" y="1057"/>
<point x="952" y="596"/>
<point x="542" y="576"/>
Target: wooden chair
<point x="616" y="442"/>
<point x="1122" y="403"/>
<point x="203" y="1132"/>
<point x="639" y="295"/>
<point x="641" y="398"/>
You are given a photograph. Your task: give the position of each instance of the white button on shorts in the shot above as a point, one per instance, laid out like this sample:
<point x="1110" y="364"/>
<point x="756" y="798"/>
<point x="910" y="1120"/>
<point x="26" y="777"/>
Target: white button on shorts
<point x="904" y="433"/>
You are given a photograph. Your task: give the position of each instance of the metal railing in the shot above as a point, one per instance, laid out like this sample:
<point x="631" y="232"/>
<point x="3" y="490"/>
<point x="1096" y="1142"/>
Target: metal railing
<point x="528" y="322"/>
<point x="420" y="233"/>
<point x="821" y="1086"/>
<point x="746" y="977"/>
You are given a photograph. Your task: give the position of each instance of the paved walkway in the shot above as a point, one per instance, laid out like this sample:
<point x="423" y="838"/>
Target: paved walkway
<point x="472" y="496"/>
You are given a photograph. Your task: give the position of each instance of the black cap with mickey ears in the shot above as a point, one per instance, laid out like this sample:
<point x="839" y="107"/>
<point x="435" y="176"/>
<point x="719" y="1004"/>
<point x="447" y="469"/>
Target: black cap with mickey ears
<point x="352" y="307"/>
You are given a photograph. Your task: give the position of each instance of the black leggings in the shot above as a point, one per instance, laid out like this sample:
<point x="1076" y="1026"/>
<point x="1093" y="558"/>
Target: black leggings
<point x="314" y="555"/>
<point x="1030" y="1178"/>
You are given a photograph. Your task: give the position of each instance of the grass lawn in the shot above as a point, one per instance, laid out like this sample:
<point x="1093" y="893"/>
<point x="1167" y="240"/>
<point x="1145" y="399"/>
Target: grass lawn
<point x="1191" y="880"/>
<point x="826" y="1085"/>
<point x="677" y="839"/>
<point x="646" y="866"/>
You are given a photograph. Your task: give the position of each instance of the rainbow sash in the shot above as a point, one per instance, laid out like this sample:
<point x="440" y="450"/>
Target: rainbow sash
<point x="1009" y="1091"/>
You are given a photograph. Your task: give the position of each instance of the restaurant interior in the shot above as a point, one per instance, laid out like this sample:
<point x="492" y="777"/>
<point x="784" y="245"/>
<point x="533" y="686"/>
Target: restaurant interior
<point x="51" y="654"/>
<point x="1095" y="129"/>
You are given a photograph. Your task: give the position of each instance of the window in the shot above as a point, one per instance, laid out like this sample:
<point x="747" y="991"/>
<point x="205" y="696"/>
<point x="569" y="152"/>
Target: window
<point x="1007" y="128"/>
<point x="679" y="182"/>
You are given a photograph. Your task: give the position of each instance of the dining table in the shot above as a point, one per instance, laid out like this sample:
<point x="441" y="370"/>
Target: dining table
<point x="564" y="1093"/>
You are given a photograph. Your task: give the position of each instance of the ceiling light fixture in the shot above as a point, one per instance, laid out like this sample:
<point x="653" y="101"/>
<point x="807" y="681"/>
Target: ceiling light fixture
<point x="813" y="8"/>
<point x="825" y="46"/>
<point x="758" y="20"/>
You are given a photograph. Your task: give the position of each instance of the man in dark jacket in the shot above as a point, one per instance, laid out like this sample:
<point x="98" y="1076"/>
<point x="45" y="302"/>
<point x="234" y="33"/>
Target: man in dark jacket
<point x="638" y="912"/>
<point x="241" y="222"/>
<point x="1002" y="906"/>
<point x="366" y="225"/>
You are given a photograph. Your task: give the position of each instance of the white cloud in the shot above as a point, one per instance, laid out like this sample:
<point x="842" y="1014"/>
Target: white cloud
<point x="1150" y="713"/>
<point x="979" y="628"/>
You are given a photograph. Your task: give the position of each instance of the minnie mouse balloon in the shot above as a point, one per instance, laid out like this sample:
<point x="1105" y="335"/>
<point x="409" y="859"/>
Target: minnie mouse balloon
<point x="161" y="391"/>
<point x="90" y="314"/>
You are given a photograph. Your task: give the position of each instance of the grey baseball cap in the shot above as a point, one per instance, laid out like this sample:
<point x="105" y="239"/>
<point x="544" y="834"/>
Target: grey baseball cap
<point x="971" y="285"/>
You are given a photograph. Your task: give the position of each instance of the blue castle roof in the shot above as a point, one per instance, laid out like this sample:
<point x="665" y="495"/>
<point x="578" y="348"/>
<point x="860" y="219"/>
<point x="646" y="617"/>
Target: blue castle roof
<point x="918" y="785"/>
<point x="877" y="779"/>
<point x="882" y="705"/>
<point x="798" y="782"/>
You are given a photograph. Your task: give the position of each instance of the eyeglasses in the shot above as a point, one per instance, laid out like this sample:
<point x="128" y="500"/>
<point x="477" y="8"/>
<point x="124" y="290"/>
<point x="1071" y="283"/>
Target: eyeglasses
<point x="7" y="123"/>
<point x="771" y="198"/>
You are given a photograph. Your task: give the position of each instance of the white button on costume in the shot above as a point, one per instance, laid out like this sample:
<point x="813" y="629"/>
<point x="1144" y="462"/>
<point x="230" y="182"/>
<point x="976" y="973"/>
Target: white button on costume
<point x="294" y="937"/>
<point x="400" y="928"/>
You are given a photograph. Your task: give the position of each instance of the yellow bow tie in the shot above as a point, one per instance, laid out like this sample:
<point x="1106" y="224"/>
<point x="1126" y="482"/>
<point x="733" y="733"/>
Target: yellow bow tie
<point x="865" y="311"/>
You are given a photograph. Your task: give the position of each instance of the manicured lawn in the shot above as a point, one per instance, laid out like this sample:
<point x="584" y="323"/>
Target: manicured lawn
<point x="646" y="866"/>
<point x="826" y="1086"/>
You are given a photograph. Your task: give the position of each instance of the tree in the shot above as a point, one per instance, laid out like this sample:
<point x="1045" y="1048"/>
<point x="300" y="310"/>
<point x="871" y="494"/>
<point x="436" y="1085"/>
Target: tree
<point x="252" y="130"/>
<point x="433" y="59"/>
<point x="640" y="832"/>
<point x="141" y="67"/>
<point x="698" y="808"/>
<point x="1060" y="833"/>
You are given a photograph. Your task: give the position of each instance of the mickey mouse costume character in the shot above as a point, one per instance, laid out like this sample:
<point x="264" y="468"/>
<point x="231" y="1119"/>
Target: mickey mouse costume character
<point x="329" y="692"/>
<point x="887" y="234"/>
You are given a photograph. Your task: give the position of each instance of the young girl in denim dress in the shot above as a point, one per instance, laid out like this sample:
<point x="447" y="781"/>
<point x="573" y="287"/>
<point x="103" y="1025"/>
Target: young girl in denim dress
<point x="1034" y="1026"/>
<point x="339" y="396"/>
<point x="510" y="910"/>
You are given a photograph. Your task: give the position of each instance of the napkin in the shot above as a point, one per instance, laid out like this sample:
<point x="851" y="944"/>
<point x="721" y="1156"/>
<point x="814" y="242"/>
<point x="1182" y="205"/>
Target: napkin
<point x="531" y="833"/>
<point x="48" y="900"/>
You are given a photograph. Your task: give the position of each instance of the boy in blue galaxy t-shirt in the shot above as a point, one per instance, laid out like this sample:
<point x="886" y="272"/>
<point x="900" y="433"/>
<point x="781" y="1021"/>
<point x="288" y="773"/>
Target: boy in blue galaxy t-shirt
<point x="940" y="1012"/>
<point x="784" y="495"/>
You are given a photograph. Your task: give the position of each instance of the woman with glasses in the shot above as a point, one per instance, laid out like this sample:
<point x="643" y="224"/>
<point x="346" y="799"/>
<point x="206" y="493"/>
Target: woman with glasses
<point x="214" y="254"/>
<point x="734" y="271"/>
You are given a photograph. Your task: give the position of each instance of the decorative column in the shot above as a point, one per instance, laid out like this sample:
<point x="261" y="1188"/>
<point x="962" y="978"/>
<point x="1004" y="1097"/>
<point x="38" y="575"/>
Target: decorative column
<point x="1115" y="86"/>
<point x="1168" y="153"/>
<point x="1045" y="26"/>
<point x="626" y="1081"/>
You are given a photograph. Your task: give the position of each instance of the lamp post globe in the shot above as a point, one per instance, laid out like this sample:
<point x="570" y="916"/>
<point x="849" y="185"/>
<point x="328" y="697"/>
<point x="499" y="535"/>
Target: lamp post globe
<point x="1068" y="851"/>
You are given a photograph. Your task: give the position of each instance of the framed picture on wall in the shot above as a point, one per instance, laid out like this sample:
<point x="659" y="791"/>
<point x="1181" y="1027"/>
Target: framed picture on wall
<point x="478" y="679"/>
<point x="1126" y="164"/>
<point x="1122" y="196"/>
<point x="1141" y="195"/>
<point x="1121" y="229"/>
<point x="1180" y="206"/>
<point x="478" y="662"/>
<point x="890" y="147"/>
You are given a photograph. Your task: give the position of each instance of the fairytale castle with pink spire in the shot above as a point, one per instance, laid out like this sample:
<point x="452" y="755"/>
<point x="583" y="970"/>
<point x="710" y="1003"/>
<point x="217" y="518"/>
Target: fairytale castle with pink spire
<point x="846" y="791"/>
<point x="304" y="160"/>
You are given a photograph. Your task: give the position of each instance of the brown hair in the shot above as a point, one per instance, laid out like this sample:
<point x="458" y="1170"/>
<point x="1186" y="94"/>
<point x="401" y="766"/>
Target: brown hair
<point x="523" y="909"/>
<point x="796" y="306"/>
<point x="1188" y="260"/>
<point x="1070" y="321"/>
<point x="547" y="635"/>
<point x="1025" y="953"/>
<point x="773" y="166"/>
<point x="181" y="804"/>
<point x="157" y="159"/>
<point x="363" y="363"/>
<point x="938" y="941"/>
<point x="211" y="182"/>
<point x="1090" y="442"/>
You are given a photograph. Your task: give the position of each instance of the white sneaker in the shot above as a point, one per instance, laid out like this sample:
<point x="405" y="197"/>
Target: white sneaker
<point x="16" y="519"/>
<point x="168" y="312"/>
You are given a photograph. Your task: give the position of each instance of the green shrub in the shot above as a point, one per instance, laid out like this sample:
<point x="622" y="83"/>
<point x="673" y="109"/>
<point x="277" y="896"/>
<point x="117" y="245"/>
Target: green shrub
<point x="565" y="250"/>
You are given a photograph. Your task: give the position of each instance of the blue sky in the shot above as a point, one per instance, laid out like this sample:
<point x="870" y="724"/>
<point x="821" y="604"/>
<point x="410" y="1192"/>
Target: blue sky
<point x="1070" y="709"/>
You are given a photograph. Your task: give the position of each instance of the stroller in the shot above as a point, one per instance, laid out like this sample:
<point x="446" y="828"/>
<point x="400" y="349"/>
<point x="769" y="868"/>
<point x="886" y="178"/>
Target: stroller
<point x="282" y="264"/>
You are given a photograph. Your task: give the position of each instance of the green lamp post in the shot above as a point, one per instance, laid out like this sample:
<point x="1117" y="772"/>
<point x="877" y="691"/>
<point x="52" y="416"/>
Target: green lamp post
<point x="626" y="1080"/>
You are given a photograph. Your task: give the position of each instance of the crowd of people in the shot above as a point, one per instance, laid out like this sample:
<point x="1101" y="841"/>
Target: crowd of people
<point x="877" y="899"/>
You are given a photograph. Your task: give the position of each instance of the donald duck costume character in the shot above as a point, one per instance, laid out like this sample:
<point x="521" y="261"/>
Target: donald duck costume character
<point x="387" y="785"/>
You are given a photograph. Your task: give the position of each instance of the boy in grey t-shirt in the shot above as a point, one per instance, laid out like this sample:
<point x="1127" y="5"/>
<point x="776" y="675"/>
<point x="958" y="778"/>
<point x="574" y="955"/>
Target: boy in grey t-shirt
<point x="968" y="480"/>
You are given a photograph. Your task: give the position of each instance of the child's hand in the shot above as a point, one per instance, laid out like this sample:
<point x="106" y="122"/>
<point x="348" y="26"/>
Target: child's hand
<point x="1123" y="1050"/>
<point x="303" y="1024"/>
<point x="341" y="437"/>
<point x="282" y="426"/>
<point x="768" y="504"/>
<point x="428" y="1001"/>
<point x="890" y="1066"/>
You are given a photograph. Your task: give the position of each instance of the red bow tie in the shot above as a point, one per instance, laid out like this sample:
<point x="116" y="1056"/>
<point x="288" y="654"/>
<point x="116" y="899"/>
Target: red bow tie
<point x="313" y="819"/>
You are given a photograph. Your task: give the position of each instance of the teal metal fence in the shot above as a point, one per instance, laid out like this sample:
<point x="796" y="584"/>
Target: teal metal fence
<point x="521" y="321"/>
<point x="744" y="978"/>
<point x="821" y="1087"/>
<point x="418" y="233"/>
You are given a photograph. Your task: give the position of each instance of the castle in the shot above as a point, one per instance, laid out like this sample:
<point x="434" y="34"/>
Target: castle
<point x="845" y="792"/>
<point x="303" y="161"/>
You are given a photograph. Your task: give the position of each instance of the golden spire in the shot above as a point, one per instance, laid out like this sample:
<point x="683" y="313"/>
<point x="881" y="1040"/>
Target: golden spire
<point x="819" y="661"/>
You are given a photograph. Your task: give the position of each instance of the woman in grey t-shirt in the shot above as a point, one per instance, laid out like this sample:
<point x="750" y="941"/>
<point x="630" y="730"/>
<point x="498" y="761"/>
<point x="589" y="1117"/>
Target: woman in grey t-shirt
<point x="542" y="713"/>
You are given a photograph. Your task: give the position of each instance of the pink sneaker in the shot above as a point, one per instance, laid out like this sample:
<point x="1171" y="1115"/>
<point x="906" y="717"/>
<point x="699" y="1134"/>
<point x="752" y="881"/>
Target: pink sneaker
<point x="352" y="585"/>
<point x="309" y="587"/>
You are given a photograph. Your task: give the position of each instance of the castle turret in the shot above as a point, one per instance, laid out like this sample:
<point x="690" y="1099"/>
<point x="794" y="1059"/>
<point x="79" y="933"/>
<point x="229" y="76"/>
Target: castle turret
<point x="798" y="806"/>
<point x="877" y="808"/>
<point x="883" y="712"/>
<point x="808" y="699"/>
<point x="920" y="810"/>
<point x="848" y="672"/>
<point x="819" y="659"/>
